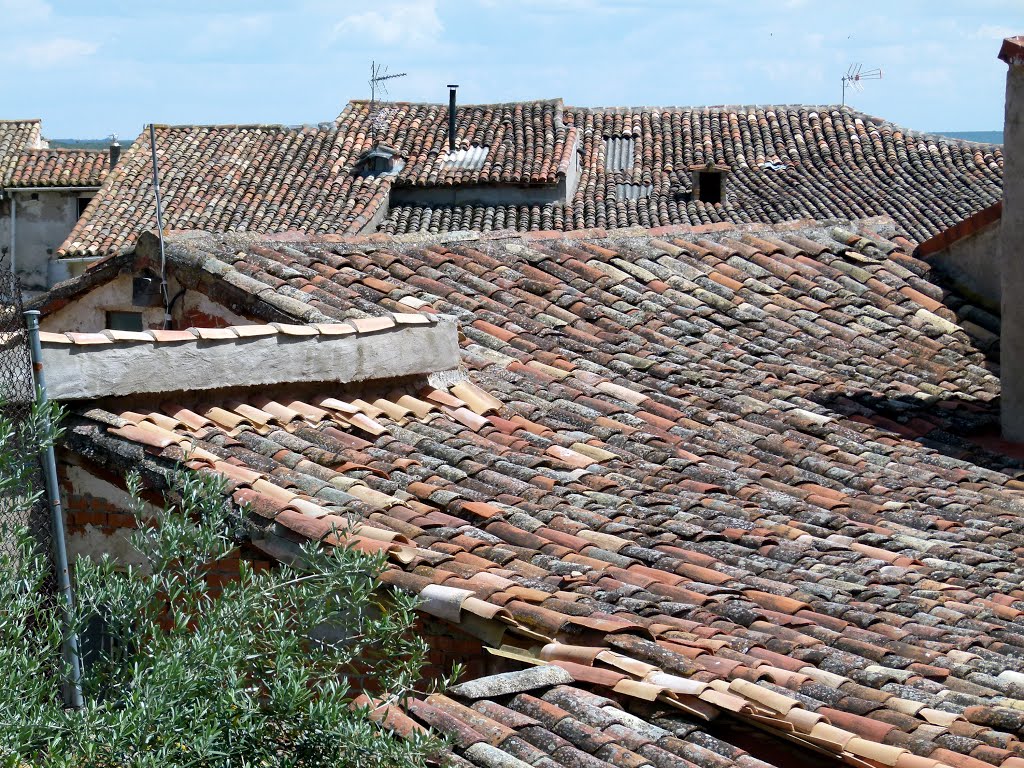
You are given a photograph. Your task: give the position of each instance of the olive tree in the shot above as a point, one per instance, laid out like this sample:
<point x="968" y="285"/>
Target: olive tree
<point x="261" y="671"/>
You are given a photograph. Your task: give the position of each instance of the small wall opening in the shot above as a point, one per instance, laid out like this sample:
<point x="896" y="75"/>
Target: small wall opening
<point x="124" y="321"/>
<point x="709" y="186"/>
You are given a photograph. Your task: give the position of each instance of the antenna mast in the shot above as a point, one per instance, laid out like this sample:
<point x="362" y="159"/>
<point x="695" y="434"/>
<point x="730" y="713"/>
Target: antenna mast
<point x="378" y="82"/>
<point x="855" y="77"/>
<point x="160" y="229"/>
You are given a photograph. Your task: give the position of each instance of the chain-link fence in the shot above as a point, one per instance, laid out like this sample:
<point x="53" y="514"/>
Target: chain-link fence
<point x="17" y="392"/>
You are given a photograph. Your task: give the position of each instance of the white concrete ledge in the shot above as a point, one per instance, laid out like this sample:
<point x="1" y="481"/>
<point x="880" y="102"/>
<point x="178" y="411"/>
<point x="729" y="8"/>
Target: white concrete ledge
<point x="81" y="366"/>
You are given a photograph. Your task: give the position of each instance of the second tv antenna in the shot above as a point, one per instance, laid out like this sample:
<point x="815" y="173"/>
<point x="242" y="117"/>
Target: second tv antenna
<point x="855" y="77"/>
<point x="378" y="83"/>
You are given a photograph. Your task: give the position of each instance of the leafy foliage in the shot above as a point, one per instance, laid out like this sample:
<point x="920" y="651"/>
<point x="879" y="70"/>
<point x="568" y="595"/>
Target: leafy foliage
<point x="257" y="675"/>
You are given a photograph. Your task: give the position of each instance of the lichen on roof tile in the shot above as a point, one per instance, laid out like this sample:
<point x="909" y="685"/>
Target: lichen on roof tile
<point x="506" y="683"/>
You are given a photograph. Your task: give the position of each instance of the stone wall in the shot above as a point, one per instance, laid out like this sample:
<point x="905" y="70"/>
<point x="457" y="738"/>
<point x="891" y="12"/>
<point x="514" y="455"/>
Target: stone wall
<point x="1012" y="248"/>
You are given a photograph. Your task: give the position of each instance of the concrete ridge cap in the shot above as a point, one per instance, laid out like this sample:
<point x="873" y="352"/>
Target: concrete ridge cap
<point x="379" y="241"/>
<point x="87" y="366"/>
<point x="376" y="324"/>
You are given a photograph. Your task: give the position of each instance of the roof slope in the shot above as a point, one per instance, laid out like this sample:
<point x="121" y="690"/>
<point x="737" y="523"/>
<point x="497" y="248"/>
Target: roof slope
<point x="249" y="178"/>
<point x="15" y="137"/>
<point x="786" y="162"/>
<point x="59" y="168"/>
<point x="725" y="456"/>
<point x="527" y="142"/>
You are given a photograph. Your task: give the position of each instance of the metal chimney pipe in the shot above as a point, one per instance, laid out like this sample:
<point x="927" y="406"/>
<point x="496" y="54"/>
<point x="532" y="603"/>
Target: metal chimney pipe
<point x="115" y="152"/>
<point x="451" y="115"/>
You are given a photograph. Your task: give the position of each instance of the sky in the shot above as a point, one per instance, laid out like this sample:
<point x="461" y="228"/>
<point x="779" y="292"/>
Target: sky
<point x="93" y="68"/>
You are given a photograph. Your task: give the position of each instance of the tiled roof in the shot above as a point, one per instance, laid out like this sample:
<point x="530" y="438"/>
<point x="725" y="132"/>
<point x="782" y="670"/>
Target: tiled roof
<point x="724" y="469"/>
<point x="59" y="168"/>
<point x="257" y="178"/>
<point x="407" y="218"/>
<point x="786" y="162"/>
<point x="16" y="136"/>
<point x="527" y="142"/>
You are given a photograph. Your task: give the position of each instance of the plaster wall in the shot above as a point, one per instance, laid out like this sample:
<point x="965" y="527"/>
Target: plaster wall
<point x="1012" y="254"/>
<point x="41" y="225"/>
<point x="973" y="266"/>
<point x="88" y="313"/>
<point x="481" y="194"/>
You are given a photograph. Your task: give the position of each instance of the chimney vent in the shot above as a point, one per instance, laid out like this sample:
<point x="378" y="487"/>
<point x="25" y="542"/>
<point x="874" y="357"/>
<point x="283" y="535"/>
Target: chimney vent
<point x="115" y="151"/>
<point x="451" y="115"/>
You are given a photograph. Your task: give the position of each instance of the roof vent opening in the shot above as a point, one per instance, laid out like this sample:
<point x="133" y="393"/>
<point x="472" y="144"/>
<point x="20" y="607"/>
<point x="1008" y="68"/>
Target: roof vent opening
<point x="379" y="160"/>
<point x="708" y="183"/>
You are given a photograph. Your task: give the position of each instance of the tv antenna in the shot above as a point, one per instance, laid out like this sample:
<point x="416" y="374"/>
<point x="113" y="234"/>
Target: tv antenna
<point x="855" y="77"/>
<point x="378" y="85"/>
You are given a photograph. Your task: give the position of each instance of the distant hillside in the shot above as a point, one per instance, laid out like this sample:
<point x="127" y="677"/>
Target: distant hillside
<point x="79" y="143"/>
<point x="986" y="137"/>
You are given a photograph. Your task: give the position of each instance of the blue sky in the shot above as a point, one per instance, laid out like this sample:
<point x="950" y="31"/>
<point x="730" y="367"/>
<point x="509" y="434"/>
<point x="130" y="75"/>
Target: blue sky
<point x="89" y="68"/>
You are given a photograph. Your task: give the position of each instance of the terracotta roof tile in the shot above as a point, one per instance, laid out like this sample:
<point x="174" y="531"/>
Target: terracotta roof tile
<point x="782" y="162"/>
<point x="788" y="532"/>
<point x="16" y="137"/>
<point x="58" y="168"/>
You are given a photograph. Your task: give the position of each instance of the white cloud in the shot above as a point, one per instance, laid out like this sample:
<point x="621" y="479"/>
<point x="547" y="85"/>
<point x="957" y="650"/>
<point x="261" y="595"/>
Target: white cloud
<point x="56" y="52"/>
<point x="13" y="11"/>
<point x="412" y="22"/>
<point x="992" y="32"/>
<point x="223" y="31"/>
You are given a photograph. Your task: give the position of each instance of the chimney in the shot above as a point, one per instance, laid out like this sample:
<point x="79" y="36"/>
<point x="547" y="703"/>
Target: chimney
<point x="115" y="151"/>
<point x="451" y="116"/>
<point x="1011" y="244"/>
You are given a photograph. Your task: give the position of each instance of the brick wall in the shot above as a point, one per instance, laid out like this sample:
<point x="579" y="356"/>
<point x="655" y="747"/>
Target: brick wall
<point x="193" y="317"/>
<point x="96" y="522"/>
<point x="449" y="646"/>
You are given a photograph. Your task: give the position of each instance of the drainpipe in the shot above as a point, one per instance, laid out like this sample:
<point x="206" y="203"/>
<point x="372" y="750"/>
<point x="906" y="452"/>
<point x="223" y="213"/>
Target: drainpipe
<point x="14" y="227"/>
<point x="160" y="229"/>
<point x="73" y="688"/>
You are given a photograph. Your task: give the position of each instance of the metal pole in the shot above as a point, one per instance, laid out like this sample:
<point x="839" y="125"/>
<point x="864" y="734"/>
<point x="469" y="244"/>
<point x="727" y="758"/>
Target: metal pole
<point x="160" y="228"/>
<point x="14" y="229"/>
<point x="73" y="690"/>
<point x="451" y="116"/>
